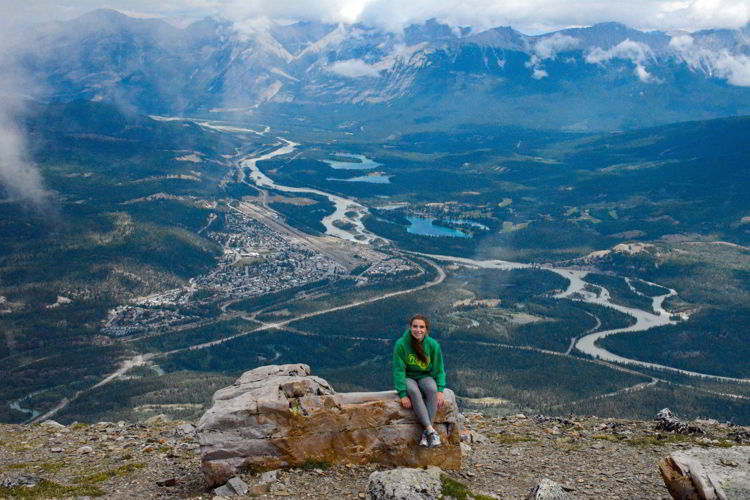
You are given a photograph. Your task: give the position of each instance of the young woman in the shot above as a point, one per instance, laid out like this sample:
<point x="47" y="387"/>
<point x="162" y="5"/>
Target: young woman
<point x="419" y="376"/>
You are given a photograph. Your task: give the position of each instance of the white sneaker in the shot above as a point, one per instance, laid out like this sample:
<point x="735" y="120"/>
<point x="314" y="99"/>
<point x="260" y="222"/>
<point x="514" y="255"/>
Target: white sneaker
<point x="434" y="439"/>
<point x="424" y="442"/>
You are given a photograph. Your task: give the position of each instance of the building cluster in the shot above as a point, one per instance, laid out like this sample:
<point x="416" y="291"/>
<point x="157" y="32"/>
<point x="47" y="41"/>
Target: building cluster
<point x="391" y="267"/>
<point x="256" y="260"/>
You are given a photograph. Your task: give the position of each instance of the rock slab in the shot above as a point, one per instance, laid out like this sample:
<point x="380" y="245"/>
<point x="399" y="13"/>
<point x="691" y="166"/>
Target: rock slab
<point x="708" y="473"/>
<point x="405" y="484"/>
<point x="282" y="416"/>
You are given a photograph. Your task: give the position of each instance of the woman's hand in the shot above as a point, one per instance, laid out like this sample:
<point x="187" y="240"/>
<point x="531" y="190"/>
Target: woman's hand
<point x="406" y="402"/>
<point x="440" y="399"/>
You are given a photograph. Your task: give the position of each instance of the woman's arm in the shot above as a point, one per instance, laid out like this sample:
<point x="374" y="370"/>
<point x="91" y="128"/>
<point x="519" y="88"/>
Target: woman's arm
<point x="437" y="370"/>
<point x="399" y="372"/>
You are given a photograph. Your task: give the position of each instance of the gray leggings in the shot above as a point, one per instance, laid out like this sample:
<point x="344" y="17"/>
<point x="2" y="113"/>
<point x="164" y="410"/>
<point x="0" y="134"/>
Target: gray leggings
<point x="423" y="395"/>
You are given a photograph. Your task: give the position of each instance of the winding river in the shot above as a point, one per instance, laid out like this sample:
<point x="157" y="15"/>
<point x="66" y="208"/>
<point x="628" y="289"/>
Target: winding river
<point x="644" y="320"/>
<point x="348" y="213"/>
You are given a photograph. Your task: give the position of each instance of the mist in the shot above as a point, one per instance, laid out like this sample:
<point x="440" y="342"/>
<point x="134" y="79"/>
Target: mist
<point x="20" y="178"/>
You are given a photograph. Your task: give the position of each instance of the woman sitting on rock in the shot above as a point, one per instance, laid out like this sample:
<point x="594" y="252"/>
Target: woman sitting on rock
<point x="419" y="376"/>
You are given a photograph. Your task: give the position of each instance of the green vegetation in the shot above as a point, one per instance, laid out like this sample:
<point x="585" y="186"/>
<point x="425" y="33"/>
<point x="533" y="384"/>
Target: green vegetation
<point x="644" y="404"/>
<point x="620" y="292"/>
<point x="713" y="341"/>
<point x="310" y="464"/>
<point x="100" y="477"/>
<point x="648" y="289"/>
<point x="454" y="489"/>
<point x="507" y="439"/>
<point x="181" y="395"/>
<point x="49" y="489"/>
<point x="306" y="217"/>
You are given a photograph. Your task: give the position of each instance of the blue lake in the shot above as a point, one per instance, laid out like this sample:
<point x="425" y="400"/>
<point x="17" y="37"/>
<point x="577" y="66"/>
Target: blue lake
<point x="372" y="179"/>
<point x="362" y="163"/>
<point x="424" y="226"/>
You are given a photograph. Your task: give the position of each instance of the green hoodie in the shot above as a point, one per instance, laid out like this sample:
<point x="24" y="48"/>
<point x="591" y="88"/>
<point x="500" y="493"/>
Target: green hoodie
<point x="407" y="364"/>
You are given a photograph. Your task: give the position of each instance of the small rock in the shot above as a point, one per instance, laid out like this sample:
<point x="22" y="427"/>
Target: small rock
<point x="260" y="489"/>
<point x="167" y="482"/>
<point x="84" y="450"/>
<point x="238" y="485"/>
<point x="405" y="484"/>
<point x="52" y="424"/>
<point x="14" y="481"/>
<point x="156" y="420"/>
<point x="548" y="490"/>
<point x="56" y="450"/>
<point x="223" y="491"/>
<point x="271" y="476"/>
<point x="186" y="429"/>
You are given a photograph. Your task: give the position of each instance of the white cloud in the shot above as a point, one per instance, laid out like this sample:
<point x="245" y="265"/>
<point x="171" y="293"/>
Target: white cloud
<point x="19" y="177"/>
<point x="735" y="68"/>
<point x="637" y="53"/>
<point x="548" y="47"/>
<point x="353" y="68"/>
<point x="528" y="16"/>
<point x="627" y="49"/>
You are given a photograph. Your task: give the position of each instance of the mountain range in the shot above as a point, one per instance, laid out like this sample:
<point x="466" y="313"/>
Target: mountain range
<point x="604" y="77"/>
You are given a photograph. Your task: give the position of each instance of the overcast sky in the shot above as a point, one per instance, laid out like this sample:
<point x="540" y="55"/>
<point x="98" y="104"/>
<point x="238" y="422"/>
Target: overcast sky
<point x="528" y="16"/>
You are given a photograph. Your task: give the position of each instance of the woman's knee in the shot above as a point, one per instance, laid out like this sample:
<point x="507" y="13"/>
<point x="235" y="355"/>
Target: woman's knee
<point x="412" y="387"/>
<point x="428" y="384"/>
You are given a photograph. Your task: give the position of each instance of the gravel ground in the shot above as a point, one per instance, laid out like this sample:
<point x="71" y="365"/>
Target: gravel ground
<point x="504" y="457"/>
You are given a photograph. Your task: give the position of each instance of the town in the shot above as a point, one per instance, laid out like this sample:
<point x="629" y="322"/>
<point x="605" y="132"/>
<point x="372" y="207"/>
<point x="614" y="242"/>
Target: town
<point x="256" y="260"/>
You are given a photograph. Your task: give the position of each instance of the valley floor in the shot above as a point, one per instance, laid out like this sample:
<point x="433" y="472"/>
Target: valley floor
<point x="595" y="458"/>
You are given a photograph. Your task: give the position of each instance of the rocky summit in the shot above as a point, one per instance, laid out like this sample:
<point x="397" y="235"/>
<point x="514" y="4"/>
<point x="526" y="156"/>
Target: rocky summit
<point x="282" y="416"/>
<point x="503" y="457"/>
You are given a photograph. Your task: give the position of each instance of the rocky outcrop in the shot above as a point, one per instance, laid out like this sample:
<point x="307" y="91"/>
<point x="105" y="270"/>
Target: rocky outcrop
<point x="666" y="421"/>
<point x="708" y="474"/>
<point x="281" y="416"/>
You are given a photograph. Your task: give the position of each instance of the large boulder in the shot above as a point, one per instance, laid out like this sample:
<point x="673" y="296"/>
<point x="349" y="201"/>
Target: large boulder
<point x="708" y="473"/>
<point x="281" y="416"/>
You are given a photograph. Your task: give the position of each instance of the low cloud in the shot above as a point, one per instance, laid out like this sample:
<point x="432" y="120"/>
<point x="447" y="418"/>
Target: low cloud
<point x="638" y="53"/>
<point x="734" y="68"/>
<point x="353" y="68"/>
<point x="530" y="16"/>
<point x="19" y="177"/>
<point x="548" y="48"/>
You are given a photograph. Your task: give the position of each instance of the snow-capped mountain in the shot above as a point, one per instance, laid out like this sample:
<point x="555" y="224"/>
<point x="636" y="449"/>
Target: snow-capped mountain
<point x="606" y="76"/>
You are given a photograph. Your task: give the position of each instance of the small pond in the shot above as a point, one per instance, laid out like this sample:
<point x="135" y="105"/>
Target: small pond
<point x="424" y="226"/>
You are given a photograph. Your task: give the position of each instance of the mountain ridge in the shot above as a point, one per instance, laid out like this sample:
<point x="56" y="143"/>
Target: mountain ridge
<point x="613" y="76"/>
